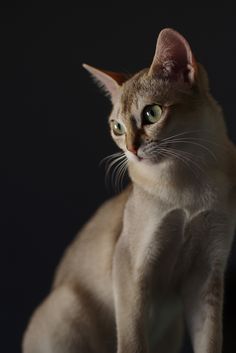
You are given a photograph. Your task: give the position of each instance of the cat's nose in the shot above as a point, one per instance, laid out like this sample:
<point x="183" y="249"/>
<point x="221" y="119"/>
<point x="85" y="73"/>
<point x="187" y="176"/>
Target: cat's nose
<point x="133" y="149"/>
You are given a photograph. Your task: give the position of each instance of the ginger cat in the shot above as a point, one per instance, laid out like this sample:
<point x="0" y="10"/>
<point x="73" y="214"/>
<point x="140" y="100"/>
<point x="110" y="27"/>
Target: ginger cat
<point x="153" y="257"/>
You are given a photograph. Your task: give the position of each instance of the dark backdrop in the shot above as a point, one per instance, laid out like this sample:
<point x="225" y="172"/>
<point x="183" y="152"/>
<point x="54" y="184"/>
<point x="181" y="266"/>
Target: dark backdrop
<point x="54" y="129"/>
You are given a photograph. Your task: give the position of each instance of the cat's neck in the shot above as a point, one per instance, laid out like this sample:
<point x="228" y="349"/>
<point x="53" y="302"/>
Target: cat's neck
<point x="175" y="184"/>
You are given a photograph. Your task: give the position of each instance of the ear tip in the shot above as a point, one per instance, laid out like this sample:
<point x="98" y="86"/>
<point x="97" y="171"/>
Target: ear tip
<point x="168" y="30"/>
<point x="173" y="34"/>
<point x="86" y="66"/>
<point x="92" y="70"/>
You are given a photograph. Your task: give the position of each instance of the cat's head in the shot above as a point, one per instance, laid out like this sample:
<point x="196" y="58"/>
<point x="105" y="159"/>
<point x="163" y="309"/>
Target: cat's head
<point x="163" y="112"/>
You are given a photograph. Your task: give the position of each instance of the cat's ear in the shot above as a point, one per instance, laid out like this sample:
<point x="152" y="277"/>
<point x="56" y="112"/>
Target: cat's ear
<point x="108" y="80"/>
<point x="173" y="57"/>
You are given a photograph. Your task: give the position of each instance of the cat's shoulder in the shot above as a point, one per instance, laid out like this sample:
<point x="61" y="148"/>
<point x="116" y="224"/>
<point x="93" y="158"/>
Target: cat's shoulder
<point x="231" y="162"/>
<point x="231" y="171"/>
<point x="114" y="206"/>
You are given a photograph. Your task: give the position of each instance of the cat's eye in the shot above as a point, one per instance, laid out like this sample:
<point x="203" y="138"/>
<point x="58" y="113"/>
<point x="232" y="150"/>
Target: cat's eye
<point x="151" y="114"/>
<point x="117" y="128"/>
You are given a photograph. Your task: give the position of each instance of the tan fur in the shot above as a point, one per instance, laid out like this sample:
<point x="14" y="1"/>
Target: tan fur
<point x="155" y="254"/>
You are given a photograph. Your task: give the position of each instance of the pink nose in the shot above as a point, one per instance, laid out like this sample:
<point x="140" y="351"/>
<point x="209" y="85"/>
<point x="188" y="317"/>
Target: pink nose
<point x="132" y="149"/>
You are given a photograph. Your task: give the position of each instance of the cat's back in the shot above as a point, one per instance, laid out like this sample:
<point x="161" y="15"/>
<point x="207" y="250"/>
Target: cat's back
<point x="92" y="250"/>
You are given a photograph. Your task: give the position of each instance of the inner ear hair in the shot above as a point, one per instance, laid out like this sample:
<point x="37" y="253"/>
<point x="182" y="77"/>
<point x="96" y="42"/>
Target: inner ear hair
<point x="173" y="57"/>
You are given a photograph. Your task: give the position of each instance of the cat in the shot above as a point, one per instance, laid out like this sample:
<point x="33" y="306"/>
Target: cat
<point x="151" y="261"/>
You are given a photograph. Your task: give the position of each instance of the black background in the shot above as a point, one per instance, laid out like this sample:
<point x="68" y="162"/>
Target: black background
<point x="54" y="129"/>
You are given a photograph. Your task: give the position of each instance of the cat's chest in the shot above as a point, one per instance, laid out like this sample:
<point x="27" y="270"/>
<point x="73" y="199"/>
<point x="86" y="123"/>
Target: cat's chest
<point x="170" y="236"/>
<point x="148" y="215"/>
<point x="147" y="211"/>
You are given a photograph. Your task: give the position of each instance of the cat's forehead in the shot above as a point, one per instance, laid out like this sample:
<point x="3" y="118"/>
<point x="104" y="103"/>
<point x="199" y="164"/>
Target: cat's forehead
<point x="132" y="92"/>
<point x="142" y="89"/>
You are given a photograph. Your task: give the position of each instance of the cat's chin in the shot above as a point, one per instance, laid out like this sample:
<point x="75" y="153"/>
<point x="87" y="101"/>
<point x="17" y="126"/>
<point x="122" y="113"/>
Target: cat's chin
<point x="133" y="157"/>
<point x="143" y="160"/>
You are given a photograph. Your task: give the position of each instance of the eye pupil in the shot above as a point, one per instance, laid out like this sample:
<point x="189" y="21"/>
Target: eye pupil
<point x="117" y="128"/>
<point x="152" y="113"/>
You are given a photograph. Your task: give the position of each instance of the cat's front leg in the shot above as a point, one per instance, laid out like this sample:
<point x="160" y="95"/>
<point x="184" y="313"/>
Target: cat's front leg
<point x="130" y="304"/>
<point x="211" y="234"/>
<point x="203" y="310"/>
<point x="141" y="256"/>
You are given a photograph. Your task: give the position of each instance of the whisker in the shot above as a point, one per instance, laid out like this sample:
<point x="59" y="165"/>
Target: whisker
<point x="172" y="154"/>
<point x="110" y="157"/>
<point x="196" y="144"/>
<point x="222" y="145"/>
<point x="110" y="176"/>
<point x="180" y="134"/>
<point x="187" y="157"/>
<point x="116" y="162"/>
<point x="115" y="173"/>
<point x="124" y="172"/>
<point x="120" y="175"/>
<point x="180" y="155"/>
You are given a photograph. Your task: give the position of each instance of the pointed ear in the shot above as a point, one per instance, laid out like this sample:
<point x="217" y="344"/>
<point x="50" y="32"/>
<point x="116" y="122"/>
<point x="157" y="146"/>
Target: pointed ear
<point x="108" y="80"/>
<point x="173" y="57"/>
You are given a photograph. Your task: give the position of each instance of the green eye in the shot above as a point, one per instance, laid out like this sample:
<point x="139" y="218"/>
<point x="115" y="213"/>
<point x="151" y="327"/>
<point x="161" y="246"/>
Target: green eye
<point x="152" y="113"/>
<point x="117" y="128"/>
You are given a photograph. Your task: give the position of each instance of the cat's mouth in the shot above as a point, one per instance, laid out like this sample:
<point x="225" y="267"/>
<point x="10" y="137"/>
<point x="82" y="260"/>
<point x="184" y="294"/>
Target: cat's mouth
<point x="144" y="157"/>
<point x="135" y="157"/>
<point x="151" y="153"/>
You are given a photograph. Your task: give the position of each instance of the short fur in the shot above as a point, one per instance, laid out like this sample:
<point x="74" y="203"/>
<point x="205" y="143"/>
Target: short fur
<point x="155" y="255"/>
